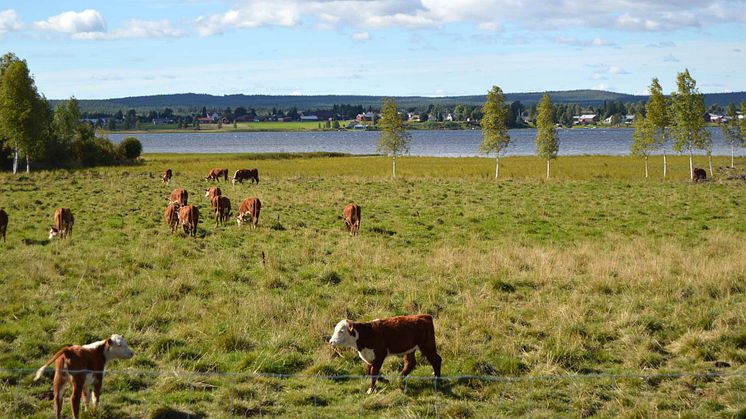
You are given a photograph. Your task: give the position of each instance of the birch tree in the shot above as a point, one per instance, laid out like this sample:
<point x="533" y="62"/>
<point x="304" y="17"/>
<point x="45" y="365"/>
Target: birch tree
<point x="732" y="133"/>
<point x="643" y="141"/>
<point x="688" y="125"/>
<point x="495" y="137"/>
<point x="394" y="140"/>
<point x="658" y="117"/>
<point x="547" y="142"/>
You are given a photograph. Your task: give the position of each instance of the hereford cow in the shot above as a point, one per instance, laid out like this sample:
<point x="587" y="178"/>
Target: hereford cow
<point x="221" y="205"/>
<point x="212" y="192"/>
<point x="400" y="335"/>
<point x="166" y="176"/>
<point x="83" y="366"/>
<point x="63" y="223"/>
<point x="172" y="215"/>
<point x="179" y="196"/>
<point x="215" y="174"/>
<point x="189" y="218"/>
<point x="246" y="174"/>
<point x="249" y="211"/>
<point x="351" y="215"/>
<point x="699" y="174"/>
<point x="3" y="222"/>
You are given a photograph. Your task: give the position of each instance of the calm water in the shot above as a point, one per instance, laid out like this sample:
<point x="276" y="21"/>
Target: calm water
<point x="424" y="143"/>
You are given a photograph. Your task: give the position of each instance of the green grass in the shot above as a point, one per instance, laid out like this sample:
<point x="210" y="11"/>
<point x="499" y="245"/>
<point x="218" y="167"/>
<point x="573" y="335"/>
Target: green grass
<point x="594" y="271"/>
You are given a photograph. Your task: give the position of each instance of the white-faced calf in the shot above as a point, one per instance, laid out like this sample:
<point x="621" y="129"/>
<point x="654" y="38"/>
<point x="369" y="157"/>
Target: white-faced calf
<point x="400" y="335"/>
<point x="63" y="223"/>
<point x="83" y="366"/>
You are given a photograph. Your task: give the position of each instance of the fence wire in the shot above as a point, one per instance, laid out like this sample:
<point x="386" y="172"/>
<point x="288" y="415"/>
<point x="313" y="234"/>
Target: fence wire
<point x="190" y="394"/>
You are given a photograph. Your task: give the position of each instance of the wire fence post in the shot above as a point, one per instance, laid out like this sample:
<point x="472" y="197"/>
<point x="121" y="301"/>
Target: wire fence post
<point x="16" y="402"/>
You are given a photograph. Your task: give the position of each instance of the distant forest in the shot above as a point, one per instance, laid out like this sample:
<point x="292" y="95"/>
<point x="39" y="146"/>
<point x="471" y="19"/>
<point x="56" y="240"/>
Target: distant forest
<point x="193" y="102"/>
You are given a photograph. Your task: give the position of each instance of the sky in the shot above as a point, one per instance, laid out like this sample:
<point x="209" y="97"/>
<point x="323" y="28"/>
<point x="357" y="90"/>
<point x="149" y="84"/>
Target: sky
<point x="108" y="49"/>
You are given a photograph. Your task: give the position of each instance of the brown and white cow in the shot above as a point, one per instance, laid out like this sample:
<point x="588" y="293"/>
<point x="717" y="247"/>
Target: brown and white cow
<point x="189" y="219"/>
<point x="400" y="335"/>
<point x="63" y="223"/>
<point x="699" y="175"/>
<point x="216" y="174"/>
<point x="167" y="175"/>
<point x="249" y="211"/>
<point x="172" y="215"/>
<point x="351" y="215"/>
<point x="179" y="196"/>
<point x="246" y="174"/>
<point x="3" y="223"/>
<point x="213" y="192"/>
<point x="83" y="366"/>
<point x="221" y="206"/>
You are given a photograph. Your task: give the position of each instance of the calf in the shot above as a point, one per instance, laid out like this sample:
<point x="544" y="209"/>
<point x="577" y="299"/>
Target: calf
<point x="400" y="335"/>
<point x="246" y="174"/>
<point x="166" y="176"/>
<point x="351" y="215"/>
<point x="212" y="192"/>
<point x="249" y="211"/>
<point x="172" y="215"/>
<point x="63" y="223"/>
<point x="179" y="196"/>
<point x="699" y="174"/>
<point x="221" y="205"/>
<point x="83" y="366"/>
<point x="215" y="174"/>
<point x="188" y="219"/>
<point x="3" y="222"/>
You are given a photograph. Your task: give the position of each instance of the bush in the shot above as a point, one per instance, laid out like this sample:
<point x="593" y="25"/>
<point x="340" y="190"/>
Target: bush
<point x="130" y="148"/>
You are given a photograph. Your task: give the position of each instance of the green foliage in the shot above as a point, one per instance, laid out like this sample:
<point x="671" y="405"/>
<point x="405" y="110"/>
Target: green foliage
<point x="643" y="140"/>
<point x="688" y="109"/>
<point x="547" y="142"/>
<point x="495" y="137"/>
<point x="393" y="139"/>
<point x="130" y="148"/>
<point x="733" y="135"/>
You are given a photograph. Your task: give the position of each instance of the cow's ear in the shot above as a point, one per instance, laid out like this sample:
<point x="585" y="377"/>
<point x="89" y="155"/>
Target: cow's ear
<point x="350" y="326"/>
<point x="109" y="343"/>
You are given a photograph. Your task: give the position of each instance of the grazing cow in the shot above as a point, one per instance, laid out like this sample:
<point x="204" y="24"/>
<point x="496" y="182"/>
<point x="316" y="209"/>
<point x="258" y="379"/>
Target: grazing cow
<point x="63" y="223"/>
<point x="83" y="366"/>
<point x="400" y="335"/>
<point x="221" y="205"/>
<point x="215" y="174"/>
<point x="3" y="223"/>
<point x="246" y="174"/>
<point x="167" y="175"/>
<point x="699" y="174"/>
<point x="212" y="192"/>
<point x="172" y="215"/>
<point x="249" y="211"/>
<point x="189" y="218"/>
<point x="179" y="196"/>
<point x="351" y="214"/>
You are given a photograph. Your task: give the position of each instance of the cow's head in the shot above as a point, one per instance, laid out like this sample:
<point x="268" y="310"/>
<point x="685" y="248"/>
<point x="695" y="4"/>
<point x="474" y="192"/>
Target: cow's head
<point x="344" y="334"/>
<point x="53" y="232"/>
<point x="117" y="348"/>
<point x="241" y="218"/>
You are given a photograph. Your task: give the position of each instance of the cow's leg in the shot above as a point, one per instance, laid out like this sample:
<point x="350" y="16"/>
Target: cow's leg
<point x="97" y="391"/>
<point x="409" y="363"/>
<point x="78" y="382"/>
<point x="58" y="388"/>
<point x="375" y="370"/>
<point x="434" y="359"/>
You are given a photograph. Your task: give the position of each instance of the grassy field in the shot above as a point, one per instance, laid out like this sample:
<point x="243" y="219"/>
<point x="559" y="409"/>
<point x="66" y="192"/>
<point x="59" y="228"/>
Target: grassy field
<point x="550" y="284"/>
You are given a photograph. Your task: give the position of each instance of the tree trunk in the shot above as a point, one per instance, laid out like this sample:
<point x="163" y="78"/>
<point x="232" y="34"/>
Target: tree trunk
<point x="665" y="164"/>
<point x="547" y="168"/>
<point x="709" y="161"/>
<point x="691" y="166"/>
<point x="732" y="156"/>
<point x="393" y="165"/>
<point x="646" y="167"/>
<point x="28" y="165"/>
<point x="15" y="160"/>
<point x="497" y="167"/>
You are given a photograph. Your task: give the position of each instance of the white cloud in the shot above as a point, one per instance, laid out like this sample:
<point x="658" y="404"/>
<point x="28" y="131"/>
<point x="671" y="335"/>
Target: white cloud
<point x="670" y="59"/>
<point x="147" y="29"/>
<point x="87" y="21"/>
<point x="9" y="21"/>
<point x="595" y="42"/>
<point x="361" y="36"/>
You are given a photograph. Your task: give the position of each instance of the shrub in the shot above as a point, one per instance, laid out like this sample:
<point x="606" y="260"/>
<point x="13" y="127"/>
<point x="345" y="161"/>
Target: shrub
<point x="130" y="148"/>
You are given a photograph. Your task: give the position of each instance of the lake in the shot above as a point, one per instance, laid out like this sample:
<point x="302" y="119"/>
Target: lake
<point x="597" y="141"/>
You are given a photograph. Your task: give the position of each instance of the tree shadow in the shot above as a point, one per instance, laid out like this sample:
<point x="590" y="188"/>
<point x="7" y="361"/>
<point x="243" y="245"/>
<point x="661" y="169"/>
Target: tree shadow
<point x="35" y="242"/>
<point x="170" y="413"/>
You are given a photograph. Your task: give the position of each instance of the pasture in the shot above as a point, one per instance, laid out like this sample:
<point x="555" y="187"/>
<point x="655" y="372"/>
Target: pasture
<point x="564" y="291"/>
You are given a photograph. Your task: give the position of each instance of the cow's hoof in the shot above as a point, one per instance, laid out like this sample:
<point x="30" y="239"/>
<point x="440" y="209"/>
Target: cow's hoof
<point x="370" y="391"/>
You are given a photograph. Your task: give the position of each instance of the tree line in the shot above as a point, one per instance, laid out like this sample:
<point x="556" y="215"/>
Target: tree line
<point x="30" y="130"/>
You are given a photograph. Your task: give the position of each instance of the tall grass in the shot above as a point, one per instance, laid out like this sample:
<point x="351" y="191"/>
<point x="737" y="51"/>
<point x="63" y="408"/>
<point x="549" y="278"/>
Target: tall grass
<point x="594" y="271"/>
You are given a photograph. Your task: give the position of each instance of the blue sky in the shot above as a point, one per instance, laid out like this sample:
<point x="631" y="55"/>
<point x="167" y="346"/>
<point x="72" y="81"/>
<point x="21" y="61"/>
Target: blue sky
<point x="105" y="49"/>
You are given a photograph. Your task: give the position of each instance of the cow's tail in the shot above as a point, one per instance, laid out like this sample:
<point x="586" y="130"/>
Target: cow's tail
<point x="40" y="371"/>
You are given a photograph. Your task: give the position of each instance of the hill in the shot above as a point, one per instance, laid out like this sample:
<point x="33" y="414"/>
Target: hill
<point x="195" y="101"/>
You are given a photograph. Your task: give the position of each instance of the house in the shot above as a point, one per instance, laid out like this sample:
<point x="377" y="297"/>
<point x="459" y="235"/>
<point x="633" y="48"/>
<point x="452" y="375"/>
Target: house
<point x="449" y="117"/>
<point x="714" y="118"/>
<point x="413" y="117"/>
<point x="585" y="119"/>
<point x="308" y="117"/>
<point x="367" y="116"/>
